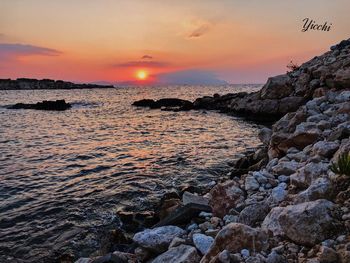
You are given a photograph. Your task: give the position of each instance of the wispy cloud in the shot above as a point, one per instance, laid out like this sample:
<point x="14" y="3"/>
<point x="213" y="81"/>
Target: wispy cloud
<point x="151" y="64"/>
<point x="8" y="50"/>
<point x="199" y="31"/>
<point x="146" y="57"/>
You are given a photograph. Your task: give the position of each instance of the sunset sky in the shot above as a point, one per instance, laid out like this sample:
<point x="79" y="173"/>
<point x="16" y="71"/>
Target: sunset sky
<point x="237" y="41"/>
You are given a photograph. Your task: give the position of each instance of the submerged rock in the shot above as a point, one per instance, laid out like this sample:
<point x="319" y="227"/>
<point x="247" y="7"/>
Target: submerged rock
<point x="58" y="105"/>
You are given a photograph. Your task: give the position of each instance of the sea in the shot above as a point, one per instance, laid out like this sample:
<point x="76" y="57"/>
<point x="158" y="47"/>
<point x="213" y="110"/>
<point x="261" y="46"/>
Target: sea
<point x="64" y="175"/>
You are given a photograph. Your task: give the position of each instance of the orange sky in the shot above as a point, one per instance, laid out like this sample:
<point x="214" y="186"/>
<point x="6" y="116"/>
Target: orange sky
<point x="108" y="40"/>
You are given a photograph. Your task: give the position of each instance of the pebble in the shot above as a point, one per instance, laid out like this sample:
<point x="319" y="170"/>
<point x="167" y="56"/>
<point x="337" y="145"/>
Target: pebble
<point x="245" y="253"/>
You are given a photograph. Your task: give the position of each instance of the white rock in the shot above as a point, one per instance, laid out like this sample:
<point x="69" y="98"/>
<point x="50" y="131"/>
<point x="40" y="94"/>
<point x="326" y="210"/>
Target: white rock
<point x="159" y="238"/>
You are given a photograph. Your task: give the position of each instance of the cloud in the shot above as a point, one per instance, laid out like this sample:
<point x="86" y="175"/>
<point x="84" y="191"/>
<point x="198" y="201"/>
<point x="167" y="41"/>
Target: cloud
<point x="8" y="50"/>
<point x="146" y="57"/>
<point x="199" y="31"/>
<point x="190" y="77"/>
<point x="133" y="64"/>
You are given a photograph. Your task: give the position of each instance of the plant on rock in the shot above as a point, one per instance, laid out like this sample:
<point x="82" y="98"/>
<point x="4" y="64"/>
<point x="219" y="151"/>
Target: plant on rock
<point x="342" y="166"/>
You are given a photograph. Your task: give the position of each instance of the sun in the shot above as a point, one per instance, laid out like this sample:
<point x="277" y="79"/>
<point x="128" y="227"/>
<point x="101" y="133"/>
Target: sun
<point x="141" y="74"/>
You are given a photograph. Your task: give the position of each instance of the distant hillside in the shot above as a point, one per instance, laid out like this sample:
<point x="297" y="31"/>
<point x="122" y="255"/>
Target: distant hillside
<point x="32" y="84"/>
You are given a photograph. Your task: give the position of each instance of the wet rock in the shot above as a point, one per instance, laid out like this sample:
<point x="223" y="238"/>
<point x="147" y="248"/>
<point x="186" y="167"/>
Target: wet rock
<point x="58" y="105"/>
<point x="306" y="223"/>
<point x="202" y="242"/>
<point x="225" y="196"/>
<point x="183" y="214"/>
<point x="167" y="103"/>
<point x="159" y="238"/>
<point x="180" y="254"/>
<point x="235" y="237"/>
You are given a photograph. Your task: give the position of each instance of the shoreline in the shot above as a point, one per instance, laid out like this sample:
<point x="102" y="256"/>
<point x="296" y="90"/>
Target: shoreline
<point x="292" y="207"/>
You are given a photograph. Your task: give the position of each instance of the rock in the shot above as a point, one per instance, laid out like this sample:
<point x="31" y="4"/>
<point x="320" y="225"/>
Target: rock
<point x="202" y="242"/>
<point x="279" y="193"/>
<point x="177" y="242"/>
<point x="325" y="149"/>
<point x="253" y="214"/>
<point x="265" y="135"/>
<point x="251" y="184"/>
<point x="277" y="87"/>
<point x="285" y="168"/>
<point x="84" y="260"/>
<point x="327" y="255"/>
<point x="273" y="257"/>
<point x="342" y="78"/>
<point x="167" y="103"/>
<point x="183" y="214"/>
<point x="120" y="257"/>
<point x="58" y="105"/>
<point x="159" y="238"/>
<point x="234" y="237"/>
<point x="307" y="223"/>
<point x="180" y="254"/>
<point x="306" y="175"/>
<point x="144" y="103"/>
<point x="320" y="189"/>
<point x="188" y="198"/>
<point x="225" y="196"/>
<point x="245" y="253"/>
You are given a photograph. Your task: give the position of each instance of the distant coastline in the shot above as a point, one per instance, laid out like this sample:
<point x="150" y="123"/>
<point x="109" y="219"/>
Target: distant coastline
<point x="44" y="84"/>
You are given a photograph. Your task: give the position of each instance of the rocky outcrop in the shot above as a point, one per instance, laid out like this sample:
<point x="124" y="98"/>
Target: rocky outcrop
<point x="58" y="105"/>
<point x="165" y="104"/>
<point x="29" y="84"/>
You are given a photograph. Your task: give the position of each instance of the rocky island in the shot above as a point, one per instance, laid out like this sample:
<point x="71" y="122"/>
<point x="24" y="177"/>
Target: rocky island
<point x="33" y="84"/>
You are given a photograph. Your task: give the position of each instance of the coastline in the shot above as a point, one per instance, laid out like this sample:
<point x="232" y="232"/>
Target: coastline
<point x="290" y="207"/>
<point x="46" y="84"/>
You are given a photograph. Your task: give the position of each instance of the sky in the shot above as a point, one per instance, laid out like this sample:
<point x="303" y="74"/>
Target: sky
<point x="168" y="41"/>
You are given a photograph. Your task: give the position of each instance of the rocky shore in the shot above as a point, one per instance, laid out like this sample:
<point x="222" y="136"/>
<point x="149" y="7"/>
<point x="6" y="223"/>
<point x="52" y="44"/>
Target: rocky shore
<point x="33" y="84"/>
<point x="285" y="202"/>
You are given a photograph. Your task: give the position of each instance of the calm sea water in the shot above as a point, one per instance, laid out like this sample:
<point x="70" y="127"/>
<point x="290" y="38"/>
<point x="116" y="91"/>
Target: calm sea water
<point x="63" y="175"/>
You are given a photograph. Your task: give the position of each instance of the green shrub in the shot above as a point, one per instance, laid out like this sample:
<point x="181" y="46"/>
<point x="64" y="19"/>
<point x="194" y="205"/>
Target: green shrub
<point x="342" y="166"/>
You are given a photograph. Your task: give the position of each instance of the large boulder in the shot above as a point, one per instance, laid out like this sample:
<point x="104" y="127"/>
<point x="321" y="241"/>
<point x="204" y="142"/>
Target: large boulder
<point x="234" y="237"/>
<point x="179" y="254"/>
<point x="306" y="224"/>
<point x="277" y="87"/>
<point x="225" y="196"/>
<point x="253" y="214"/>
<point x="159" y="238"/>
<point x="306" y="175"/>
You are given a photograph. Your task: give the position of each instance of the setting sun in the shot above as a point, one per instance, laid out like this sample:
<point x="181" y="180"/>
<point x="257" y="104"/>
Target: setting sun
<point x="142" y="75"/>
